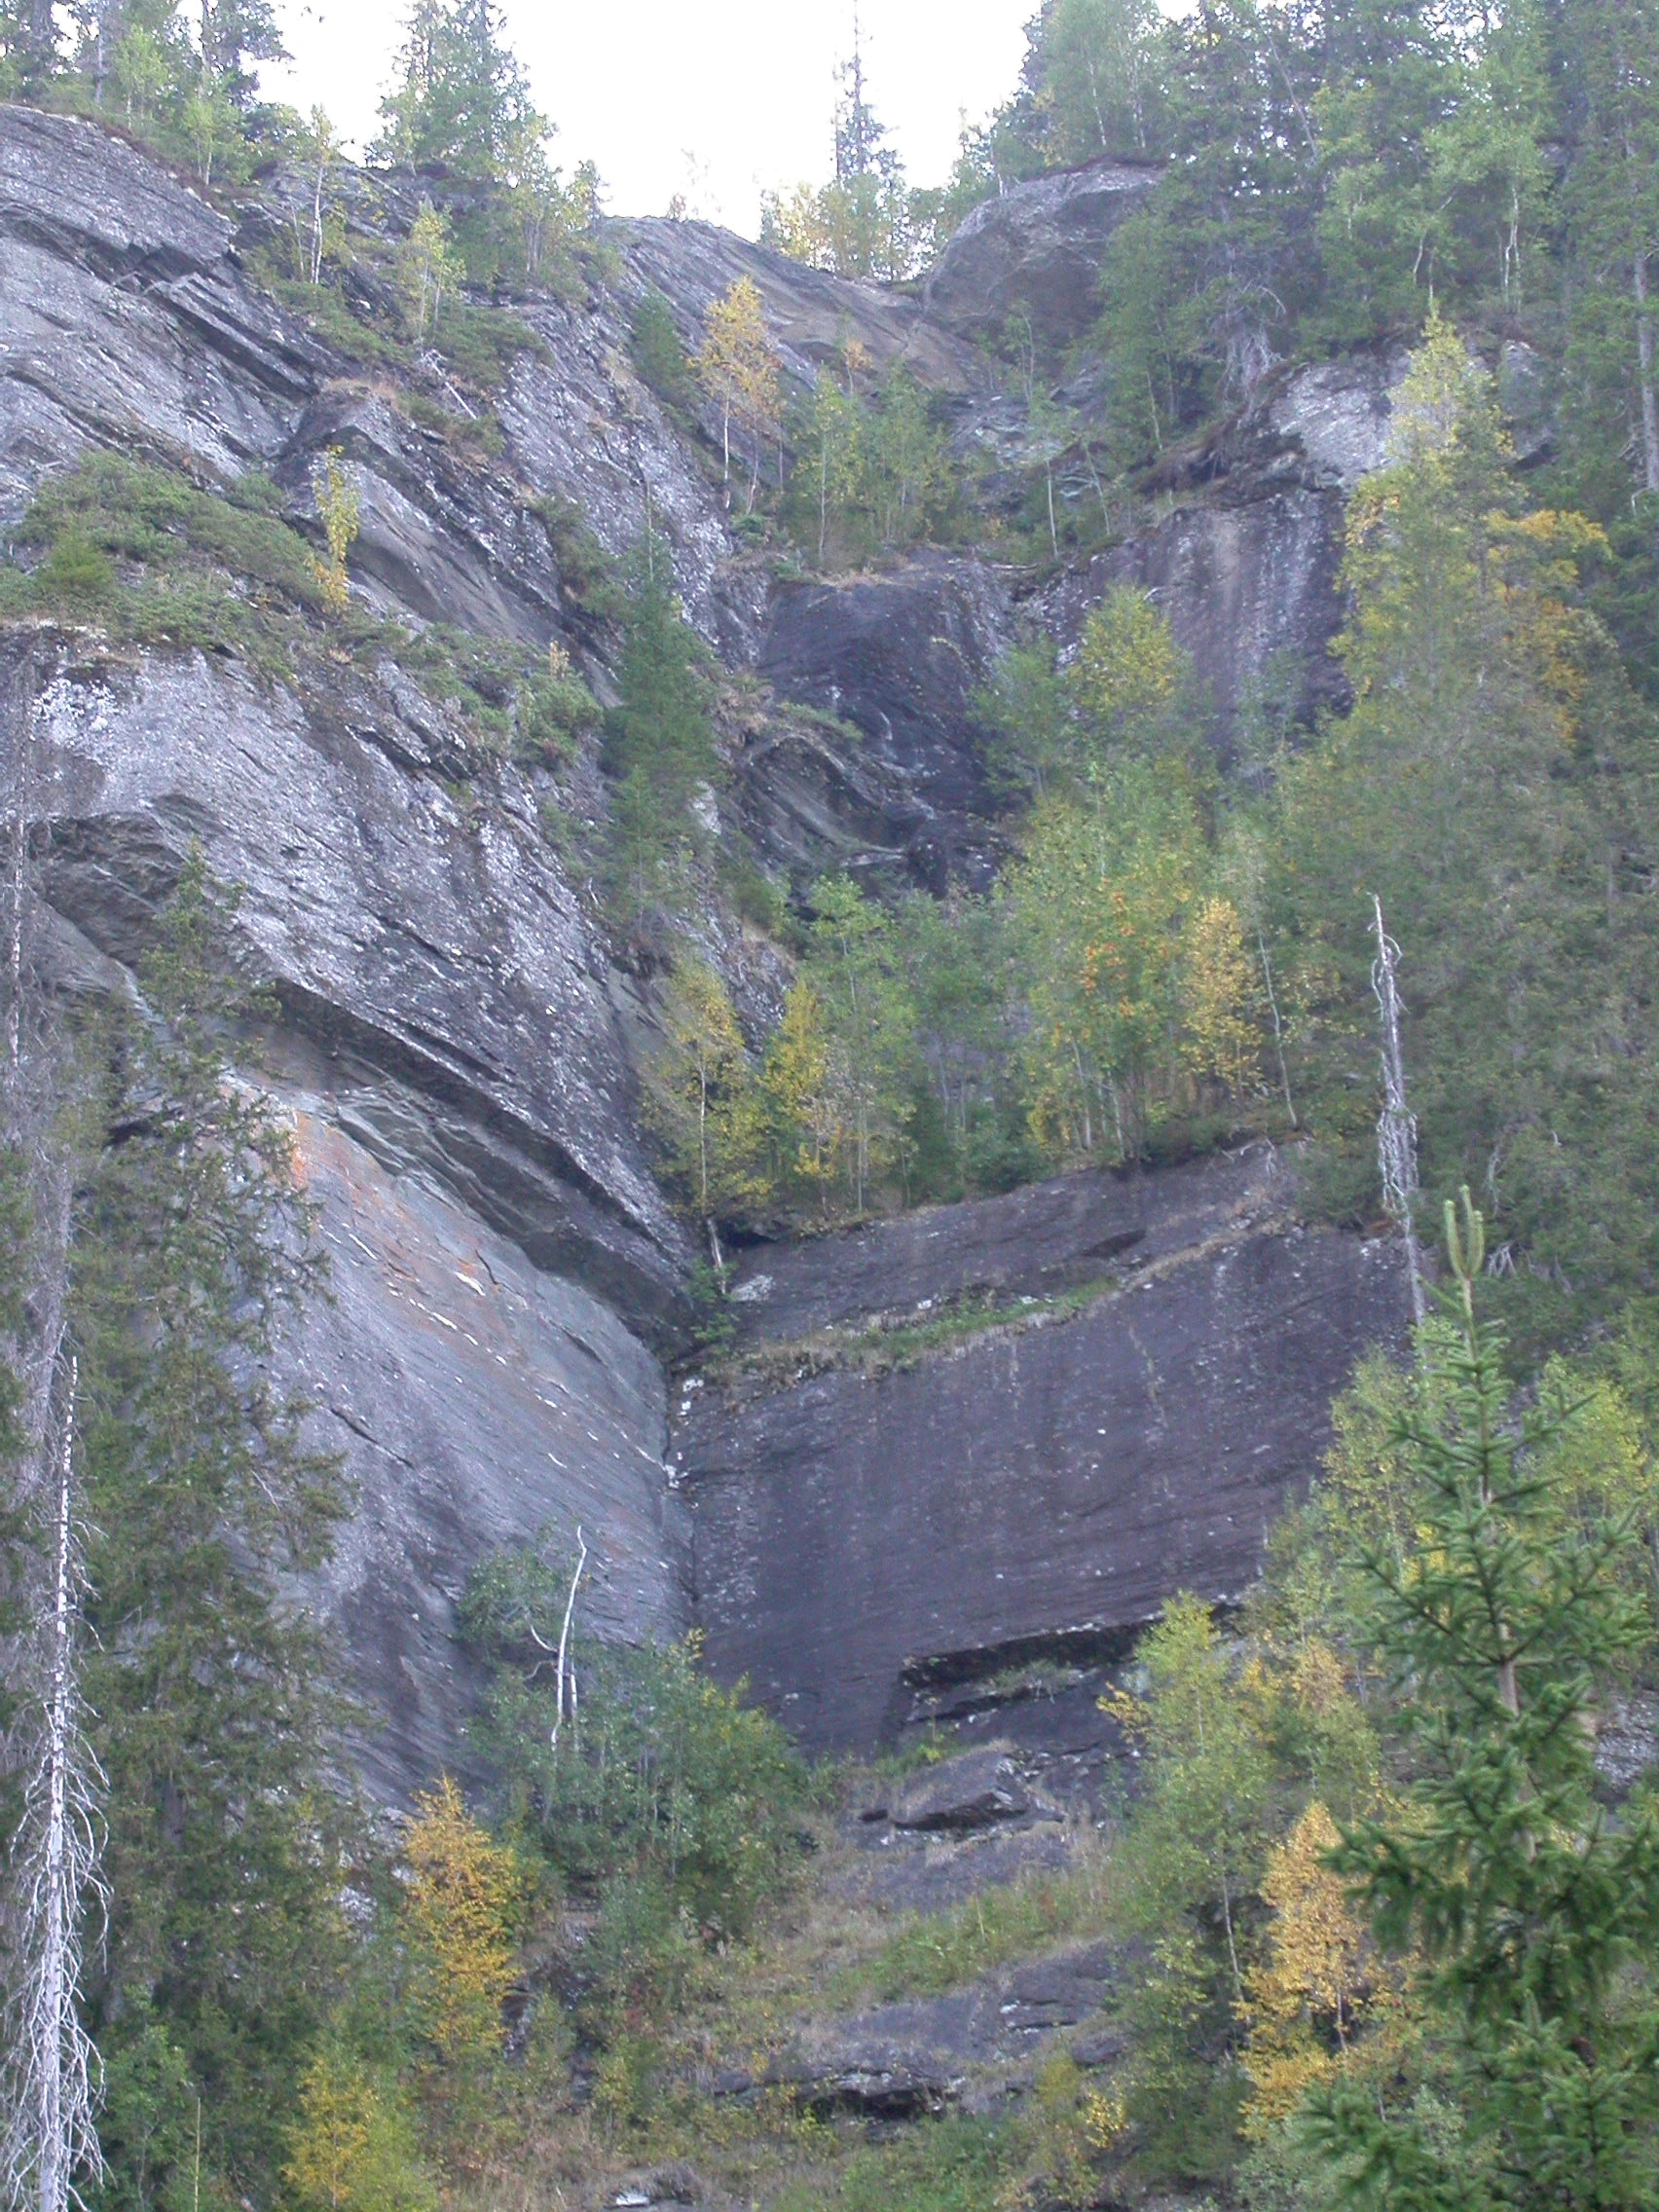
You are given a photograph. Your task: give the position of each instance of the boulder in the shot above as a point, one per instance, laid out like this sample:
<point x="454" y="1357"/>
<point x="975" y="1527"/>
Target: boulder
<point x="1036" y="249"/>
<point x="974" y="1790"/>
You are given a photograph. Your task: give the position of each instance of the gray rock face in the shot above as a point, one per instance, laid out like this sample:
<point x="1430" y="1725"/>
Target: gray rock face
<point x="1030" y="1244"/>
<point x="898" y="657"/>
<point x="809" y="315"/>
<point x="458" y="1057"/>
<point x="1250" y="592"/>
<point x="1027" y="1490"/>
<point x="441" y="969"/>
<point x="464" y="1113"/>
<point x="1246" y="567"/>
<point x="122" y="322"/>
<point x="478" y="1401"/>
<point x="917" y="2055"/>
<point x="1037" y="248"/>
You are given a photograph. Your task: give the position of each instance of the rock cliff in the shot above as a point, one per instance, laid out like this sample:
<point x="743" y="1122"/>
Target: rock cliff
<point x="456" y="1037"/>
<point x="991" y="1434"/>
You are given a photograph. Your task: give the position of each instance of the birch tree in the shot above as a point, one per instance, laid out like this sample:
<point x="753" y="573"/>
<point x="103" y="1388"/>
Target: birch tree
<point x="739" y="370"/>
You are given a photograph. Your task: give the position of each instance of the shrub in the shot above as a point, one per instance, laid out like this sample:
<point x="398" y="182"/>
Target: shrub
<point x="660" y="1779"/>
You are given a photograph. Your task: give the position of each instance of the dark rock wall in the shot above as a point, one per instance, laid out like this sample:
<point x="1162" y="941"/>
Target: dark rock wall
<point x="1035" y="1488"/>
<point x="898" y="658"/>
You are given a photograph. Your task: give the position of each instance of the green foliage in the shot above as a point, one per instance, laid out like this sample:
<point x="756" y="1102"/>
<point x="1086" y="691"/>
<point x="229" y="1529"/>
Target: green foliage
<point x="160" y="561"/>
<point x="1026" y="708"/>
<point x="1503" y="1623"/>
<point x="946" y="2165"/>
<point x="1098" y="79"/>
<point x="461" y="98"/>
<point x="659" y="354"/>
<point x="699" y="1097"/>
<point x="665" y="1797"/>
<point x="875" y="473"/>
<point x="427" y="268"/>
<point x="857" y="226"/>
<point x="659" y="742"/>
<point x="1194" y="1857"/>
<point x="211" y="1720"/>
<point x="1491" y="779"/>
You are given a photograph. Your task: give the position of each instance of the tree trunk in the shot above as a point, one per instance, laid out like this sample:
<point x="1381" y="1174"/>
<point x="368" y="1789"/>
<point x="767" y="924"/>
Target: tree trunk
<point x="1644" y="374"/>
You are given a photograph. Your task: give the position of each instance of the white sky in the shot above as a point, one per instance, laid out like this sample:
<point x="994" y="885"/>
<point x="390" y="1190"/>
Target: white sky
<point x="716" y="99"/>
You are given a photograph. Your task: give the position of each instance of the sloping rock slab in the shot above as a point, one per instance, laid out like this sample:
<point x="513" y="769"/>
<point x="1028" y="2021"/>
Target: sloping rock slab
<point x="1028" y="1489"/>
<point x="908" y="1871"/>
<point x="476" y="1402"/>
<point x="441" y="972"/>
<point x="1032" y="1241"/>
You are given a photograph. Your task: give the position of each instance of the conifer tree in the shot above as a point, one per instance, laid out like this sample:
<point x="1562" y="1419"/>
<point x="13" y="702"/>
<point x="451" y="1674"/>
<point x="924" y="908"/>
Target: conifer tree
<point x="212" y="1720"/>
<point x="1502" y="1629"/>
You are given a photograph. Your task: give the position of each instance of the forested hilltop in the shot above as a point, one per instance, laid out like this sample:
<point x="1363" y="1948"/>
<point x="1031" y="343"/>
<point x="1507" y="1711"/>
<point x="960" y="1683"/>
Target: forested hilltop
<point x="565" y="775"/>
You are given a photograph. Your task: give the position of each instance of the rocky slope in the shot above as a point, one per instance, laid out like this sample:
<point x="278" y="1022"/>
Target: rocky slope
<point x="456" y="1039"/>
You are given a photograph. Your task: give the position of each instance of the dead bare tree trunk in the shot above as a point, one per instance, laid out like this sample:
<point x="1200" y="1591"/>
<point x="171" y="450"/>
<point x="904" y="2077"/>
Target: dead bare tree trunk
<point x="49" y="2066"/>
<point x="53" y="2072"/>
<point x="1649" y="392"/>
<point x="1396" y="1125"/>
<point x="562" y="1662"/>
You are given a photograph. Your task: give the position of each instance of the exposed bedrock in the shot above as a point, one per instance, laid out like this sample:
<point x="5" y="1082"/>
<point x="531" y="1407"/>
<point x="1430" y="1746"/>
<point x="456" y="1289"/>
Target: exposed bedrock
<point x="1034" y="1488"/>
<point x="897" y="658"/>
<point x="476" y="1401"/>
<point x="1246" y="564"/>
<point x="502" y="1260"/>
<point x="441" y="966"/>
<point x="874" y="1549"/>
<point x="1036" y="249"/>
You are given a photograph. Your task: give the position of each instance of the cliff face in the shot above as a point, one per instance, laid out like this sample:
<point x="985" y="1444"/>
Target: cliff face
<point x="985" y="1435"/>
<point x="457" y="1042"/>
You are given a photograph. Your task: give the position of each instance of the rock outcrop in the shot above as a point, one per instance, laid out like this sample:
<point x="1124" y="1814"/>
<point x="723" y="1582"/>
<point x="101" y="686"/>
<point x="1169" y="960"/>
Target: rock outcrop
<point x="501" y="1261"/>
<point x="1037" y="1482"/>
<point x="1246" y="564"/>
<point x="1036" y="249"/>
<point x="896" y="659"/>
<point x="1128" y="1376"/>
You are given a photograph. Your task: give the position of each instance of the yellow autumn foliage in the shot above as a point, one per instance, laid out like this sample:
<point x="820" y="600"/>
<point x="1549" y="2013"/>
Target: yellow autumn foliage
<point x="1307" y="1995"/>
<point x="353" y="2148"/>
<point x="1224" y="1040"/>
<point x="464" y="1900"/>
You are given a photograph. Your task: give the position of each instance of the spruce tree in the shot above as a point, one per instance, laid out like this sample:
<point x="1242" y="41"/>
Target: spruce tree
<point x="1505" y="1625"/>
<point x="210" y="1692"/>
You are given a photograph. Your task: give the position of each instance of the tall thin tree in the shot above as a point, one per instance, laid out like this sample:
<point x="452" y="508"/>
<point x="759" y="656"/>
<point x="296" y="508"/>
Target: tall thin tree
<point x="49" y="2067"/>
<point x="1396" y="1123"/>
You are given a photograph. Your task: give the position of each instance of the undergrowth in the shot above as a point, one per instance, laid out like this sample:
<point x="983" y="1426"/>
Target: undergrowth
<point x="933" y="1954"/>
<point x="156" y="559"/>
